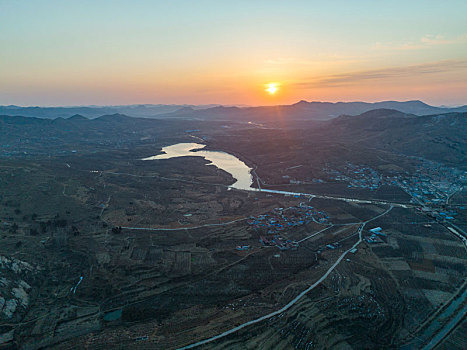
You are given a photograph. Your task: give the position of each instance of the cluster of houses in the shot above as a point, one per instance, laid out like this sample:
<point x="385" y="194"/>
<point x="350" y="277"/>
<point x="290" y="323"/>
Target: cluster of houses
<point x="280" y="219"/>
<point x="440" y="216"/>
<point x="357" y="176"/>
<point x="279" y="242"/>
<point x="432" y="182"/>
<point x="272" y="223"/>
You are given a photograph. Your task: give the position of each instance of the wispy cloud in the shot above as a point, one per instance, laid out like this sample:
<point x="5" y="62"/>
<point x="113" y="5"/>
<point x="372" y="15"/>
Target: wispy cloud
<point x="425" y="42"/>
<point x="317" y="58"/>
<point x="385" y="73"/>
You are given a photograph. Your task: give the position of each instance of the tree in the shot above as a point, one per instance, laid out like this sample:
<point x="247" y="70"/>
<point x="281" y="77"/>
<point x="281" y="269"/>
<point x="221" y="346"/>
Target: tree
<point x="43" y="226"/>
<point x="74" y="230"/>
<point x="117" y="229"/>
<point x="60" y="222"/>
<point x="14" y="228"/>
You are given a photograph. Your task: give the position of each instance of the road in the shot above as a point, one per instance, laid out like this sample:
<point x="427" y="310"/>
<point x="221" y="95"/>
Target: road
<point x="452" y="194"/>
<point x="293" y="301"/>
<point x="288" y="193"/>
<point x="434" y="331"/>
<point x="462" y="237"/>
<point x="464" y="234"/>
<point x="354" y="200"/>
<point x="314" y="234"/>
<point x="182" y="228"/>
<point x="459" y="232"/>
<point x="459" y="315"/>
<point x="452" y="324"/>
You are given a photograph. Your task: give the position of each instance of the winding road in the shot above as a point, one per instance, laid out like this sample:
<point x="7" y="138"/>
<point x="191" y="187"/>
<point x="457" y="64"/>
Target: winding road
<point x="293" y="301"/>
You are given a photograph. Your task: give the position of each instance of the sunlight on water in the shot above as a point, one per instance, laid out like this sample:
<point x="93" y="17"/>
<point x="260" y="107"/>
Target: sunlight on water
<point x="225" y="161"/>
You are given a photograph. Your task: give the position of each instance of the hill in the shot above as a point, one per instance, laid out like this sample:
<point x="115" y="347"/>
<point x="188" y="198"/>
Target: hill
<point x="302" y="110"/>
<point x="145" y="110"/>
<point x="439" y="137"/>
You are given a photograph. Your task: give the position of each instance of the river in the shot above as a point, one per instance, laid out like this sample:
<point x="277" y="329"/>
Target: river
<point x="225" y="161"/>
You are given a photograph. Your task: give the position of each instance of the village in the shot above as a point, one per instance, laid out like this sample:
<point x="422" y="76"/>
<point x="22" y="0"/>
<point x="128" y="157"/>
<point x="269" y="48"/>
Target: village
<point x="269" y="225"/>
<point x="357" y="176"/>
<point x="431" y="183"/>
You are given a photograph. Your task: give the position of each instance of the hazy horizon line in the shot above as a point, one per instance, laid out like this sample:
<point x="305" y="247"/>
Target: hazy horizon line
<point x="240" y="105"/>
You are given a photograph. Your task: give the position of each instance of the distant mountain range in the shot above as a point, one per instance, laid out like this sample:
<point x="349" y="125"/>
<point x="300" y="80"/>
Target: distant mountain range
<point x="438" y="136"/>
<point x="302" y="110"/>
<point x="143" y="111"/>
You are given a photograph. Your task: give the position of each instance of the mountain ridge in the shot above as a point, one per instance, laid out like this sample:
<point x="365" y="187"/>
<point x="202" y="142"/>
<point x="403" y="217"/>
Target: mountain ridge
<point x="314" y="110"/>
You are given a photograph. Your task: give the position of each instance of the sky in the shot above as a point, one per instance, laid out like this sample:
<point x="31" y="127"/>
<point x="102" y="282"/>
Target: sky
<point x="202" y="52"/>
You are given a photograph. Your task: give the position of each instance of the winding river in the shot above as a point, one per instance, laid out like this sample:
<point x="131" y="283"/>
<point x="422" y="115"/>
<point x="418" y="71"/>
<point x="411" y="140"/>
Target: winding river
<point x="225" y="161"/>
<point x="240" y="171"/>
<point x="243" y="181"/>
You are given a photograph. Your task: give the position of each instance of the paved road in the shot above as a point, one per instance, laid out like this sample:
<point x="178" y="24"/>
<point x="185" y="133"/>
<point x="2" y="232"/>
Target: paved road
<point x="456" y="320"/>
<point x="461" y="236"/>
<point x="345" y="199"/>
<point x="289" y="193"/>
<point x="438" y="335"/>
<point x="293" y="301"/>
<point x="459" y="230"/>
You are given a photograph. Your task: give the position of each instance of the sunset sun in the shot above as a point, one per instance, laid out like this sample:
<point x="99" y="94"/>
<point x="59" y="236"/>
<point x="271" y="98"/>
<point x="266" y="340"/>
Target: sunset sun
<point x="272" y="88"/>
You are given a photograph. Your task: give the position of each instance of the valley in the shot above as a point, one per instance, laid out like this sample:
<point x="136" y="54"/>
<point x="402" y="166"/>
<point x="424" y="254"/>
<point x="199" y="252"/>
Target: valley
<point x="100" y="248"/>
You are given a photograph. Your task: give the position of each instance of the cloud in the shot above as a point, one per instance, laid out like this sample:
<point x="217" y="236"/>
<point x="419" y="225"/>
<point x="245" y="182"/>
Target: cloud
<point x="318" y="58"/>
<point x="435" y="40"/>
<point x="427" y="41"/>
<point x="351" y="78"/>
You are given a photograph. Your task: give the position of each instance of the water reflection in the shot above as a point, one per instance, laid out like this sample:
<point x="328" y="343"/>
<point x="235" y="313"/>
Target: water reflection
<point x="225" y="161"/>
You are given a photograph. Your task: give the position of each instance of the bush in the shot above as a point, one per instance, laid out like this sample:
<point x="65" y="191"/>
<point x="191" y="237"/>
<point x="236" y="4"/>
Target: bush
<point x="33" y="232"/>
<point x="43" y="226"/>
<point x="14" y="228"/>
<point x="60" y="222"/>
<point x="74" y="231"/>
<point x="117" y="229"/>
